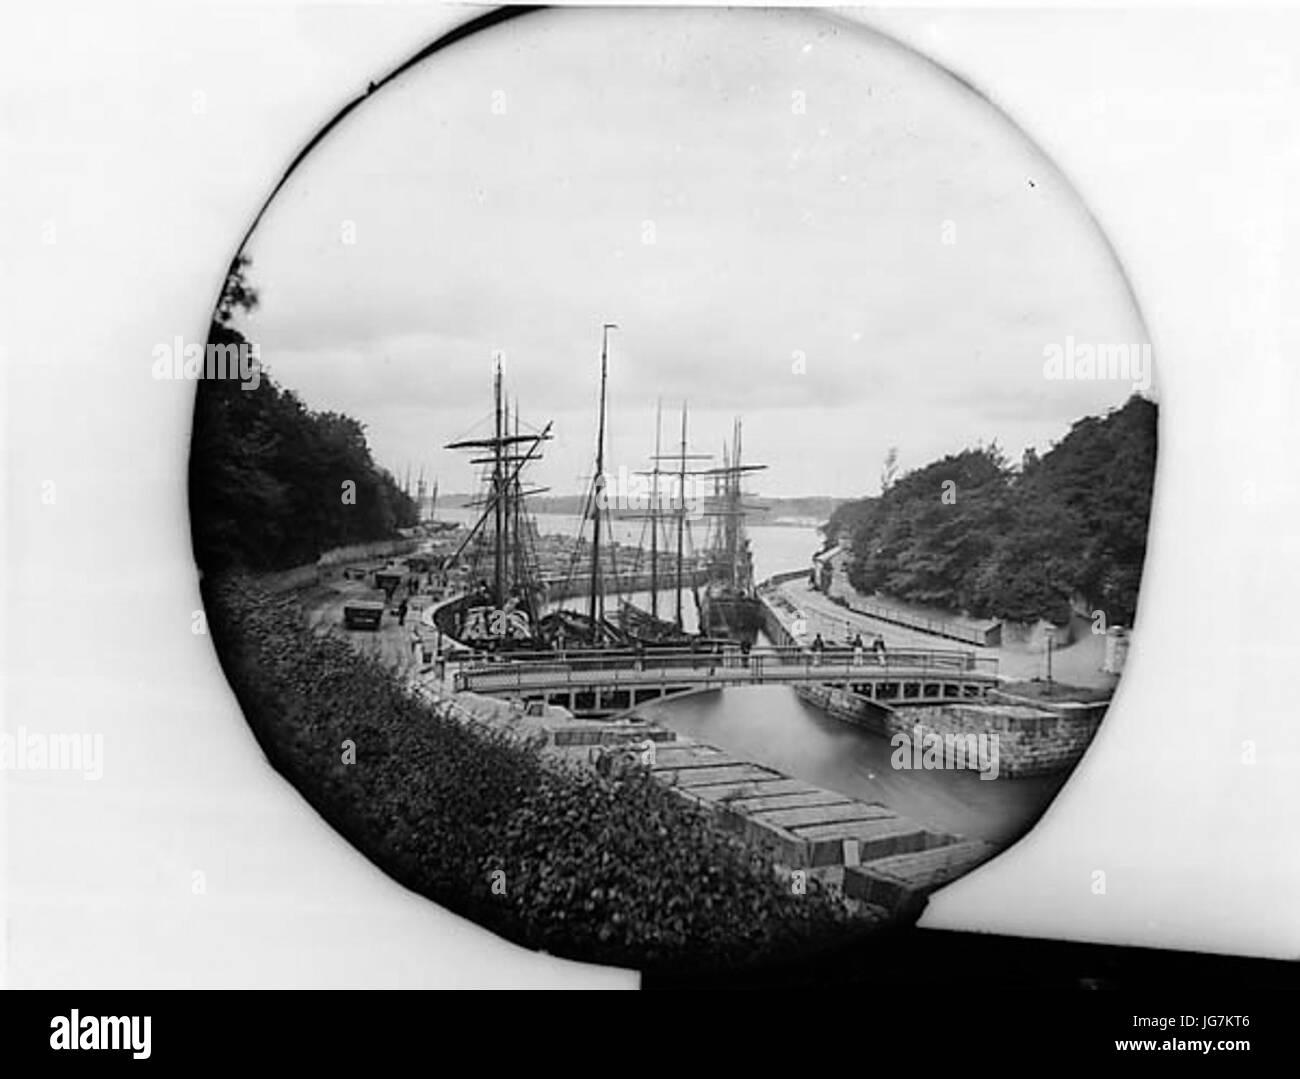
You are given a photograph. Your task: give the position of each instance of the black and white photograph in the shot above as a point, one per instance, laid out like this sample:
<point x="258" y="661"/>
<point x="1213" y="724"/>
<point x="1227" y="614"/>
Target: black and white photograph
<point x="685" y="496"/>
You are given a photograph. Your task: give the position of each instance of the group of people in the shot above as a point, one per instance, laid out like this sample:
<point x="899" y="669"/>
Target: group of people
<point x="859" y="648"/>
<point x="428" y="580"/>
<point x="404" y="604"/>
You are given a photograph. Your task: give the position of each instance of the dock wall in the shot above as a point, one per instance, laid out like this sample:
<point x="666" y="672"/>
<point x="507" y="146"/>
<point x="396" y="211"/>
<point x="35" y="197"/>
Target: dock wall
<point x="330" y="564"/>
<point x="1031" y="740"/>
<point x="624" y="583"/>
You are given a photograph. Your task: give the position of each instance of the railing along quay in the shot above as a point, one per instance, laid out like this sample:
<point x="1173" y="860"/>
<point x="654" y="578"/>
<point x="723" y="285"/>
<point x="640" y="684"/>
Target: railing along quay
<point x="623" y="666"/>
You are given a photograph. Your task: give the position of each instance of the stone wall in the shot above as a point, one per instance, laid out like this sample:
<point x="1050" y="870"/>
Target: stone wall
<point x="331" y="564"/>
<point x="1031" y="740"/>
<point x="848" y="706"/>
<point x="364" y="552"/>
<point x="290" y="579"/>
<point x="623" y="583"/>
<point x="785" y="577"/>
<point x="775" y="627"/>
<point x="1067" y="709"/>
<point x="1033" y="636"/>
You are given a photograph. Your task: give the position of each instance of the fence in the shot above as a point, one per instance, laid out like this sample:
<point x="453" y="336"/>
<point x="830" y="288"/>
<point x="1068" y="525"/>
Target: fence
<point x="666" y="665"/>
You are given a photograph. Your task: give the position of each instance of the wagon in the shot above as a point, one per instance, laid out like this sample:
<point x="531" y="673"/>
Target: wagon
<point x="390" y="578"/>
<point x="363" y="613"/>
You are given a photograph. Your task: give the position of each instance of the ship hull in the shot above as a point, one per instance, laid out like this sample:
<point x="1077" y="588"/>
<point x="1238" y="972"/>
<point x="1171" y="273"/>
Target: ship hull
<point x="736" y="617"/>
<point x="650" y="631"/>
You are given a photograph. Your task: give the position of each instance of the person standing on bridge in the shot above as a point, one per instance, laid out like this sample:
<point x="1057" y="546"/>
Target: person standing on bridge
<point x="857" y="649"/>
<point x="878" y="648"/>
<point x="818" y="647"/>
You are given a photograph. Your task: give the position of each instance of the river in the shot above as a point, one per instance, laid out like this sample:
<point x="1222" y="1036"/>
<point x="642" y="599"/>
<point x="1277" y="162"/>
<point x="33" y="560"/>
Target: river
<point x="770" y="725"/>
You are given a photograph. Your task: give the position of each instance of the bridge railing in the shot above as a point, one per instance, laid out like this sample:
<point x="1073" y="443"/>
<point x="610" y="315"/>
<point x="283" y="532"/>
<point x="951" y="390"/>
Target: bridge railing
<point x="836" y="663"/>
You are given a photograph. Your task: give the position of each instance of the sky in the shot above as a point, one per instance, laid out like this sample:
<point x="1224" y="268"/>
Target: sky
<point x="791" y="220"/>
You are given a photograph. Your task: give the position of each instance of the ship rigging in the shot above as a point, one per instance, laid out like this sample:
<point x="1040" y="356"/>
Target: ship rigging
<point x="514" y="605"/>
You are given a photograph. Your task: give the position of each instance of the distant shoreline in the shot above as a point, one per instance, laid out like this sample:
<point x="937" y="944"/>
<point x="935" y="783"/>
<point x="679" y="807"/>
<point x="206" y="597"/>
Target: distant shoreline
<point x="756" y="520"/>
<point x="790" y="522"/>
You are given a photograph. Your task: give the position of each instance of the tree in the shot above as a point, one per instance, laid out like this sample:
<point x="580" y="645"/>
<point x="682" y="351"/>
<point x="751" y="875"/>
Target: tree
<point x="266" y="472"/>
<point x="236" y="293"/>
<point x="1016" y="545"/>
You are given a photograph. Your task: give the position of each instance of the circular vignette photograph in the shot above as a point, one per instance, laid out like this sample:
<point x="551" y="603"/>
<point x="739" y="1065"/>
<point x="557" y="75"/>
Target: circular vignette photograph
<point x="672" y="486"/>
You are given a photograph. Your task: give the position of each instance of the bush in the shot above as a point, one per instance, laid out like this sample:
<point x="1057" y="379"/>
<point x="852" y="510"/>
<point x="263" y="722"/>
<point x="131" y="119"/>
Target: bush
<point x="617" y="872"/>
<point x="1016" y="544"/>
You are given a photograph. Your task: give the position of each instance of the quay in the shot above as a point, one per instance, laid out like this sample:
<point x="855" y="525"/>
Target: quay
<point x="581" y="704"/>
<point x="872" y="854"/>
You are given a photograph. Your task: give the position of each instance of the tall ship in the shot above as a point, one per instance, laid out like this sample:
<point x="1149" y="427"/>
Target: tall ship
<point x="584" y="625"/>
<point x="729" y="604"/>
<point x="497" y="556"/>
<point x="666" y="538"/>
<point x="426" y="504"/>
<point x="526" y="592"/>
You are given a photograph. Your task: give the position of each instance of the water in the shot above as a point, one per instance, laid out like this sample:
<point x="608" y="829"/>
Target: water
<point x="776" y="548"/>
<point x="772" y="726"/>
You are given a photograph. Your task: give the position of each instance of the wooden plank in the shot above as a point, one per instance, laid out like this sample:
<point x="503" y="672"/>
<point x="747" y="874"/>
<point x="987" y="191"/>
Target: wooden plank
<point x="731" y="773"/>
<point x="796" y="818"/>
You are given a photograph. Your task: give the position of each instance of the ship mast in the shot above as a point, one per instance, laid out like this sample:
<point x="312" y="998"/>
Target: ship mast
<point x="596" y="606"/>
<point x="729" y="557"/>
<point x="654" y="515"/>
<point x="502" y="510"/>
<point x="735" y="506"/>
<point x="498" y="497"/>
<point x="657" y="513"/>
<point x="507" y="518"/>
<point x="517" y="525"/>
<point x="681" y="515"/>
<point x="722" y="497"/>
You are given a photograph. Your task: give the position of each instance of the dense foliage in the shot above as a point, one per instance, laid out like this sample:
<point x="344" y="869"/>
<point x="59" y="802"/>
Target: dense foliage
<point x="613" y="871"/>
<point x="269" y="478"/>
<point x="970" y="533"/>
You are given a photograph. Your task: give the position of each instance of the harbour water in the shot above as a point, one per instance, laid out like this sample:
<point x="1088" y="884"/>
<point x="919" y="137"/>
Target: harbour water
<point x="770" y="725"/>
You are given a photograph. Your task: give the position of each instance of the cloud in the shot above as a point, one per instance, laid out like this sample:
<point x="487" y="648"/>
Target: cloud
<point x="739" y="204"/>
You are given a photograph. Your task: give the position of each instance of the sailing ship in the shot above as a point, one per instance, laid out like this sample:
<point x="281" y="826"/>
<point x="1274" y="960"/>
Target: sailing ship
<point x="498" y="551"/>
<point x="651" y="627"/>
<point x="567" y="627"/>
<point x="729" y="604"/>
<point x="513" y="605"/>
